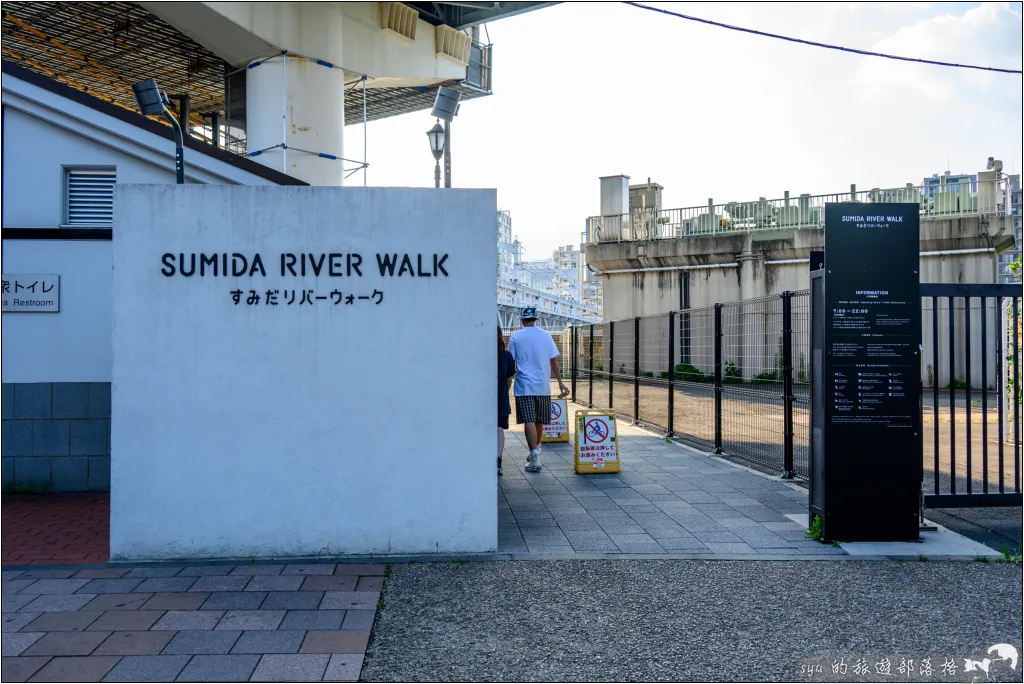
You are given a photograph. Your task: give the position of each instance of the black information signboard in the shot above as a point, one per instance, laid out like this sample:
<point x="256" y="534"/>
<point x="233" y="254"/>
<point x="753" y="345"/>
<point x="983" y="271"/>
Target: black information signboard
<point x="872" y="372"/>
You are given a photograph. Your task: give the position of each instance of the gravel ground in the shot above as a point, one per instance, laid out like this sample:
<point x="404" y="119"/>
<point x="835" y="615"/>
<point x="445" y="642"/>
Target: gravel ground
<point x="691" y="620"/>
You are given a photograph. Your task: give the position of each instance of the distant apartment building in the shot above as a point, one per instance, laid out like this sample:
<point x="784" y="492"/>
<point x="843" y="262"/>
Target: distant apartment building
<point x="949" y="182"/>
<point x="1014" y="190"/>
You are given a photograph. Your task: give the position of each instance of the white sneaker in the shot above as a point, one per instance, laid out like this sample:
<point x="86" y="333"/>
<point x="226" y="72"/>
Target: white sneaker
<point x="533" y="463"/>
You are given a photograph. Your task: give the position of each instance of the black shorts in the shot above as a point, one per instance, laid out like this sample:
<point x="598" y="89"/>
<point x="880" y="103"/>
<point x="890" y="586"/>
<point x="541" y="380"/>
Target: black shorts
<point x="503" y="422"/>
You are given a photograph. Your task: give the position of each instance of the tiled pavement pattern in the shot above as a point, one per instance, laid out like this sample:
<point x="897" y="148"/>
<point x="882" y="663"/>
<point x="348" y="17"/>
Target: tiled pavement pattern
<point x="667" y="500"/>
<point x="56" y="529"/>
<point x="204" y="623"/>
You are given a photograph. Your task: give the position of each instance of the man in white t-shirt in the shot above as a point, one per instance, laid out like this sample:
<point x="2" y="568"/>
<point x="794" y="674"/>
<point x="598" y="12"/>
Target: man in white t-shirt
<point x="536" y="360"/>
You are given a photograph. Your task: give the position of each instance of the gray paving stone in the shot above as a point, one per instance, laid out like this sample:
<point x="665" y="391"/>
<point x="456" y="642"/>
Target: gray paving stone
<point x="190" y="642"/>
<point x="254" y="569"/>
<point x="55" y="586"/>
<point x="218" y="583"/>
<point x="359" y="619"/>
<point x="108" y="586"/>
<point x="622" y="528"/>
<point x="14" y="621"/>
<point x="234" y="600"/>
<point x="11" y="574"/>
<point x="270" y="641"/>
<point x="636" y="543"/>
<point x="583" y="541"/>
<point x="729" y="548"/>
<point x="349" y="600"/>
<point x="292" y="600"/>
<point x="205" y="570"/>
<point x="344" y="667"/>
<point x="310" y="569"/>
<point x="57" y="602"/>
<point x="718" y="537"/>
<point x="189" y="620"/>
<point x="15" y="643"/>
<point x="165" y="584"/>
<point x="14" y="586"/>
<point x="683" y="544"/>
<point x="275" y="583"/>
<point x="313" y="619"/>
<point x="219" y="668"/>
<point x="149" y="668"/>
<point x="153" y="572"/>
<point x="251" y="619"/>
<point x="73" y="621"/>
<point x="304" y="667"/>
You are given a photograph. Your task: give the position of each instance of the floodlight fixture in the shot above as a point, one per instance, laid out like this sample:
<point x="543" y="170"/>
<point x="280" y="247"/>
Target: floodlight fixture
<point x="153" y="101"/>
<point x="446" y="104"/>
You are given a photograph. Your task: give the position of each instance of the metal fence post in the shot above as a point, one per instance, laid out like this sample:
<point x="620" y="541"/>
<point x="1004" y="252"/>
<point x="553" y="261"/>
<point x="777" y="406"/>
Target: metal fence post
<point x="671" y="370"/>
<point x="611" y="364"/>
<point x="718" y="378"/>
<point x="636" y="370"/>
<point x="787" y="384"/>
<point x="572" y="350"/>
<point x="590" y="379"/>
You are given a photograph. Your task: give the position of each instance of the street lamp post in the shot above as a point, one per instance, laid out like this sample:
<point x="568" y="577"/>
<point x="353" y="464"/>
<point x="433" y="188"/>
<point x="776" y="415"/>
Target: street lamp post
<point x="437" y="144"/>
<point x="152" y="101"/>
<point x="446" y="107"/>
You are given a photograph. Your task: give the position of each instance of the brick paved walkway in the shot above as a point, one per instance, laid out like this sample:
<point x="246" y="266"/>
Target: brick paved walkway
<point x="205" y="623"/>
<point x="667" y="500"/>
<point x="56" y="529"/>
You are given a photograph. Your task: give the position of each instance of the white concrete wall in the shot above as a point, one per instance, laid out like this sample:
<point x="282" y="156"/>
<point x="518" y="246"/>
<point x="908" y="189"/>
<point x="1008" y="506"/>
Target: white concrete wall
<point x="262" y="431"/>
<point x="43" y="134"/>
<point x="72" y="345"/>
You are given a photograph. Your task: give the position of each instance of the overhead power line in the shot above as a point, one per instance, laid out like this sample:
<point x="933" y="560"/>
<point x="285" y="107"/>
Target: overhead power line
<point x="822" y="45"/>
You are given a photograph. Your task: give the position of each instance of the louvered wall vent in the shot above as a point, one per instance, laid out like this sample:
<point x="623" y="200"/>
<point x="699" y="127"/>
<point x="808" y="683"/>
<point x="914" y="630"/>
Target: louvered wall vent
<point x="399" y="18"/>
<point x="452" y="44"/>
<point x="90" y="197"/>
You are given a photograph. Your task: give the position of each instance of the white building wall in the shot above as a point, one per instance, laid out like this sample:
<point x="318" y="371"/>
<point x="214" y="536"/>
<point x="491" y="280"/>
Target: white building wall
<point x="43" y="134"/>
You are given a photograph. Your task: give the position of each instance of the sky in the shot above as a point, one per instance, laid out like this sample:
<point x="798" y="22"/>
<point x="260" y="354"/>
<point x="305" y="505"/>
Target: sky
<point x="584" y="90"/>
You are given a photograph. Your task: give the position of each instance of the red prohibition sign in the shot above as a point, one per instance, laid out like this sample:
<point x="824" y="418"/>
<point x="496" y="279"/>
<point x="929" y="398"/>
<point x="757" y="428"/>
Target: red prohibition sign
<point x="597" y="431"/>
<point x="556" y="411"/>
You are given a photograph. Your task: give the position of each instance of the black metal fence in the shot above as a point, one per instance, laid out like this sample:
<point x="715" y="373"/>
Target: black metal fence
<point x="732" y="377"/>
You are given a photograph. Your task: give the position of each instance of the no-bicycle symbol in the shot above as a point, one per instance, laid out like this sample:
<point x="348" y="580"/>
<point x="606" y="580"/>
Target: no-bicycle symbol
<point x="597" y="430"/>
<point x="556" y="410"/>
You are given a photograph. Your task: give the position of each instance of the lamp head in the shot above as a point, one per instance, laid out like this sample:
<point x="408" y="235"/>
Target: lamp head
<point x="150" y="98"/>
<point x="436" y="137"/>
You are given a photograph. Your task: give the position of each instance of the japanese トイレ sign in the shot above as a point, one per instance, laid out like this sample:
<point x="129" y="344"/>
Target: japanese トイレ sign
<point x="597" y="444"/>
<point x="31" y="293"/>
<point x="558" y="429"/>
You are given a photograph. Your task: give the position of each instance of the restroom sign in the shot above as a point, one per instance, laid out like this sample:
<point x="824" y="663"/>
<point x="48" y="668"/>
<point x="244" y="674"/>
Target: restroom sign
<point x="31" y="293"/>
<point x="597" y="443"/>
<point x="558" y="429"/>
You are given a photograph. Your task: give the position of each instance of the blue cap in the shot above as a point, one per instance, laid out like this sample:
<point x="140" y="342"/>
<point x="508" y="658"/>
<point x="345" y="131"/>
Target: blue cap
<point x="528" y="313"/>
